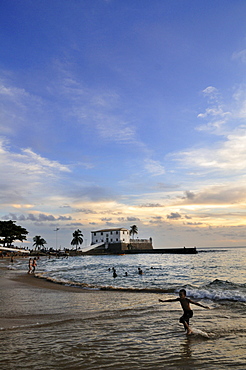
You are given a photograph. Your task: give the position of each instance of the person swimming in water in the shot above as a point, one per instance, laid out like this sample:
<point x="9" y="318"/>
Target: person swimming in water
<point x="185" y="304"/>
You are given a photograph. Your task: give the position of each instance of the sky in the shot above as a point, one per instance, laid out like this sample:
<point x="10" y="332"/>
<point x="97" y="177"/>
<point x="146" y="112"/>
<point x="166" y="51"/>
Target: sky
<point x="116" y="113"/>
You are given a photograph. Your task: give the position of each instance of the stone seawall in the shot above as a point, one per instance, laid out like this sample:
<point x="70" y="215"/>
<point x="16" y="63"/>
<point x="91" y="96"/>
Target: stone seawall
<point x="138" y="246"/>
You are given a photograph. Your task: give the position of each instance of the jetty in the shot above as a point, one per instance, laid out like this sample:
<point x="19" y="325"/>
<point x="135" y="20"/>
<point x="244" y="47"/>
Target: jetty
<point x="103" y="249"/>
<point x="184" y="250"/>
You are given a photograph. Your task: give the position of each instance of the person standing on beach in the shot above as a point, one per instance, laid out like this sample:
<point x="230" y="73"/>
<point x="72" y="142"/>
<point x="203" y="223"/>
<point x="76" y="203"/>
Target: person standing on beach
<point x="30" y="266"/>
<point x="185" y="304"/>
<point x="34" y="264"/>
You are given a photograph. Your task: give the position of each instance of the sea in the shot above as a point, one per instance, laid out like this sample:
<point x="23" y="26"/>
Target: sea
<point x="117" y="322"/>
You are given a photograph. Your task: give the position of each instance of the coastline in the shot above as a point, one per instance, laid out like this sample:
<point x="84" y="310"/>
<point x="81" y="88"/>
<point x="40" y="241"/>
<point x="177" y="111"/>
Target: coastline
<point x="21" y="278"/>
<point x="17" y="291"/>
<point x="36" y="282"/>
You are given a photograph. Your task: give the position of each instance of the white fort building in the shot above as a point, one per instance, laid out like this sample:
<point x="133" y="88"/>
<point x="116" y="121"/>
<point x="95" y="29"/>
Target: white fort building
<point x="110" y="236"/>
<point x="116" y="240"/>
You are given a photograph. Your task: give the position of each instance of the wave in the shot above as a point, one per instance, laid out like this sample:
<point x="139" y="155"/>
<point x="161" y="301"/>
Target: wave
<point x="219" y="290"/>
<point x="104" y="288"/>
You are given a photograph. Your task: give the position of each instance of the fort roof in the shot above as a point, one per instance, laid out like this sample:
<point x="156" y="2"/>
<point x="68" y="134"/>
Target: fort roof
<point x="107" y="230"/>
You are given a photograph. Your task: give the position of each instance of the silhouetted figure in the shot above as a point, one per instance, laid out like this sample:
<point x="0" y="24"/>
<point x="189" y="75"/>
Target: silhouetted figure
<point x="30" y="266"/>
<point x="34" y="265"/>
<point x="185" y="304"/>
<point x="140" y="271"/>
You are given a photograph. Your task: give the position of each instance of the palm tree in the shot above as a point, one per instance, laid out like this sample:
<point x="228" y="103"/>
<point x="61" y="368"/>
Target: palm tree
<point x="133" y="230"/>
<point x="77" y="238"/>
<point x="38" y="242"/>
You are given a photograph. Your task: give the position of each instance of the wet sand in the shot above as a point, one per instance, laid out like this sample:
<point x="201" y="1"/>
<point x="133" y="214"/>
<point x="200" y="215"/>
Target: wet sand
<point x="32" y="280"/>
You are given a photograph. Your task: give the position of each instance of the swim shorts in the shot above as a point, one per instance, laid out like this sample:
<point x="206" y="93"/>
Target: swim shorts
<point x="186" y="316"/>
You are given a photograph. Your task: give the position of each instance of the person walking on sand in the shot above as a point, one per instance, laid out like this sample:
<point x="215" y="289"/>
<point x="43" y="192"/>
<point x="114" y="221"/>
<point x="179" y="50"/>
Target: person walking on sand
<point x="30" y="266"/>
<point x="185" y="304"/>
<point x="34" y="264"/>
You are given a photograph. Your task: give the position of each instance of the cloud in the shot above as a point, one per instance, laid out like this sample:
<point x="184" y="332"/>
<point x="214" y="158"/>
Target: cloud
<point x="19" y="96"/>
<point x="19" y="109"/>
<point x="128" y="219"/>
<point x="174" y="216"/>
<point x="151" y="205"/>
<point x="220" y="194"/>
<point x="112" y="129"/>
<point x="229" y="154"/>
<point x="39" y="163"/>
<point x="189" y="195"/>
<point x="240" y="55"/>
<point x="86" y="211"/>
<point x="212" y="92"/>
<point x="164" y="186"/>
<point x="96" y="108"/>
<point x="27" y="175"/>
<point x="156" y="220"/>
<point x="154" y="167"/>
<point x="28" y="162"/>
<point x="132" y="219"/>
<point x="216" y="113"/>
<point x="41" y="217"/>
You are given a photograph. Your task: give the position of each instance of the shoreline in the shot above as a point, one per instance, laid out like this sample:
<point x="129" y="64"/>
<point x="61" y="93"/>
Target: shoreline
<point x="36" y="282"/>
<point x="13" y="277"/>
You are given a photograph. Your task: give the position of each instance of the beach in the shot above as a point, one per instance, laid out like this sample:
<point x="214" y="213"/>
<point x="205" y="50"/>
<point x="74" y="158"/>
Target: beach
<point x="47" y="325"/>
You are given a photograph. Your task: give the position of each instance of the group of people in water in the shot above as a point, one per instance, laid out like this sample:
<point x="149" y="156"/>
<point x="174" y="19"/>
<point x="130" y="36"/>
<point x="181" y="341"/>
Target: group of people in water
<point x="32" y="265"/>
<point x="140" y="272"/>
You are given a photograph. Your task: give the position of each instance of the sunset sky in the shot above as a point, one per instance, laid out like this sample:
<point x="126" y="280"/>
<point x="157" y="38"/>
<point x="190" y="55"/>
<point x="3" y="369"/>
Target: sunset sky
<point x="123" y="112"/>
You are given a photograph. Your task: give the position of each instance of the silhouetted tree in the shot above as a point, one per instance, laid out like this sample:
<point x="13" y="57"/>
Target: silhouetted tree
<point x="11" y="232"/>
<point x="133" y="230"/>
<point x="77" y="238"/>
<point x="38" y="242"/>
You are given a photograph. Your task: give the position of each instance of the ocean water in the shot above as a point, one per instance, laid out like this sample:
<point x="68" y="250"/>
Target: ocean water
<point x="118" y="323"/>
